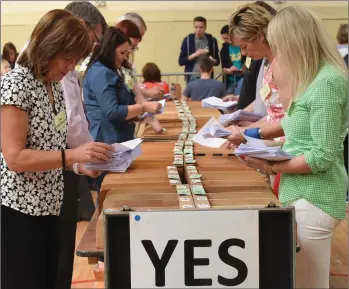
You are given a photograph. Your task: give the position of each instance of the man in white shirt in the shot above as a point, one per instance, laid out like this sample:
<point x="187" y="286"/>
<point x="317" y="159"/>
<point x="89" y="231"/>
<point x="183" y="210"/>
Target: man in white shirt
<point x="78" y="133"/>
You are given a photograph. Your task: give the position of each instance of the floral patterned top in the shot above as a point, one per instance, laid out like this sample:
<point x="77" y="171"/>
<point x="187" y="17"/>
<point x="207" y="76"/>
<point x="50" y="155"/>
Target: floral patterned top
<point x="34" y="193"/>
<point x="271" y="101"/>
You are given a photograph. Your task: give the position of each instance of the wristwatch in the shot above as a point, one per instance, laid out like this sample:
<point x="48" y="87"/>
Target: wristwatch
<point x="260" y="133"/>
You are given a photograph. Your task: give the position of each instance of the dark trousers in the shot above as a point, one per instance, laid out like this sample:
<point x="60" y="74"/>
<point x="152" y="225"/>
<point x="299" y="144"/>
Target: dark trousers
<point x="86" y="207"/>
<point x="67" y="230"/>
<point x="77" y="205"/>
<point x="29" y="250"/>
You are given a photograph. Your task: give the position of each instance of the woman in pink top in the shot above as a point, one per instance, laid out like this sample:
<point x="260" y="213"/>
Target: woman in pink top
<point x="271" y="98"/>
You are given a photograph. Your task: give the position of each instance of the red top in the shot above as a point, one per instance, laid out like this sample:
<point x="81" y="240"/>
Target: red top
<point x="163" y="85"/>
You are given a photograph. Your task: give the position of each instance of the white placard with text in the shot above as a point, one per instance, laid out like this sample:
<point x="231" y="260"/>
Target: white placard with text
<point x="195" y="249"/>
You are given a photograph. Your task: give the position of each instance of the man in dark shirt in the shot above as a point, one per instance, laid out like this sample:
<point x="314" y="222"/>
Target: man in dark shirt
<point x="205" y="86"/>
<point x="196" y="45"/>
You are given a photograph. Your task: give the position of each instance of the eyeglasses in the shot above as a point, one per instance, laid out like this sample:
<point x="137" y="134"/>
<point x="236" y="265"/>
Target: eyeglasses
<point x="94" y="32"/>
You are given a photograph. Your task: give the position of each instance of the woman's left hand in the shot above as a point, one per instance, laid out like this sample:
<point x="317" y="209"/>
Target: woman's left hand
<point x="253" y="163"/>
<point x="90" y="173"/>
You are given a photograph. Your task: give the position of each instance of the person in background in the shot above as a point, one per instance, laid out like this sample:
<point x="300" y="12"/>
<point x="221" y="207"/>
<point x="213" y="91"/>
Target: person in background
<point x="205" y="86"/>
<point x="130" y="74"/>
<point x="232" y="63"/>
<point x="34" y="153"/>
<point x="5" y="66"/>
<point x="196" y="45"/>
<point x="132" y="31"/>
<point x="342" y="38"/>
<point x="152" y="77"/>
<point x="9" y="53"/>
<point x="314" y="91"/>
<point x="110" y="104"/>
<point x="78" y="203"/>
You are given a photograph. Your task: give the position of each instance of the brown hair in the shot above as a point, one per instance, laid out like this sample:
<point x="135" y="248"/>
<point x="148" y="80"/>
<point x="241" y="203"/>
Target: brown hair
<point x="342" y="34"/>
<point x="200" y="19"/>
<point x="7" y="49"/>
<point x="151" y="73"/>
<point x="248" y="20"/>
<point x="129" y="28"/>
<point x="104" y="52"/>
<point x="205" y="64"/>
<point x="58" y="33"/>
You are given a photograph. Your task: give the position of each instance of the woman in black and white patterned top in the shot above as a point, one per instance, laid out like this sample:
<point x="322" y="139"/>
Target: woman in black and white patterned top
<point x="34" y="155"/>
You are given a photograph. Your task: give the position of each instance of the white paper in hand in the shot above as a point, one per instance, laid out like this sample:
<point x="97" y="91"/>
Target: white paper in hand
<point x="125" y="153"/>
<point x="162" y="102"/>
<point x="217" y="103"/>
<point x="240" y="115"/>
<point x="205" y="139"/>
<point x="256" y="148"/>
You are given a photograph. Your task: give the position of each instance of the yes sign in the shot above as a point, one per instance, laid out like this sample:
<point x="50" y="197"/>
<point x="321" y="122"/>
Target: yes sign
<point x="194" y="249"/>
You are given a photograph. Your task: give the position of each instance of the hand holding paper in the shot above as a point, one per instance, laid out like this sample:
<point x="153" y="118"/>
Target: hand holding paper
<point x="152" y="111"/>
<point x="217" y="103"/>
<point x="240" y="115"/>
<point x="204" y="138"/>
<point x="257" y="148"/>
<point x="125" y="153"/>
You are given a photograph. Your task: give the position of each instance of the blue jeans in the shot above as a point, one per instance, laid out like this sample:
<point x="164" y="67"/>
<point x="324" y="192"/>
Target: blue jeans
<point x="235" y="88"/>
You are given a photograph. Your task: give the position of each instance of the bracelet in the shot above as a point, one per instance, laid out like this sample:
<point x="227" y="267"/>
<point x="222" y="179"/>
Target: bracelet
<point x="76" y="169"/>
<point x="142" y="106"/>
<point x="63" y="158"/>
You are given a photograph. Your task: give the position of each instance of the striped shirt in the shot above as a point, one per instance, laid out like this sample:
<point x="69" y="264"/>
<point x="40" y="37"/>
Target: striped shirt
<point x="315" y="126"/>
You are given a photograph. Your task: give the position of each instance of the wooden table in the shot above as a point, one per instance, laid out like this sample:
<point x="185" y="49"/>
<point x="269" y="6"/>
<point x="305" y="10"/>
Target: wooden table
<point x="145" y="185"/>
<point x="87" y="246"/>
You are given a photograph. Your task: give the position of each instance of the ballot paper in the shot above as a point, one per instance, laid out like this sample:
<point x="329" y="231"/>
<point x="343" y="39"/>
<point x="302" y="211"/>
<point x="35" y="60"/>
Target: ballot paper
<point x="215" y="129"/>
<point x="256" y="148"/>
<point x="240" y="115"/>
<point x="217" y="103"/>
<point x="162" y="102"/>
<point x="205" y="139"/>
<point x="125" y="153"/>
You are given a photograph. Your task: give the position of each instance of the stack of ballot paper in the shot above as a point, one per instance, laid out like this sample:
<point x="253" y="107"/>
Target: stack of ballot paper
<point x="257" y="149"/>
<point x="204" y="137"/>
<point x="162" y="102"/>
<point x="240" y="115"/>
<point x="216" y="130"/>
<point x="125" y="153"/>
<point x="217" y="103"/>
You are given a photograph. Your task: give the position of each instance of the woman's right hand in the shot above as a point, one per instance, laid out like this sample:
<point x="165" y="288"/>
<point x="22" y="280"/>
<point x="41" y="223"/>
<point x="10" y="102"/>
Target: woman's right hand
<point x="151" y="106"/>
<point x="93" y="152"/>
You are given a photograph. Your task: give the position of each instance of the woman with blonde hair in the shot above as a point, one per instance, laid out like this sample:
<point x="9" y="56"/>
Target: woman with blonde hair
<point x="314" y="90"/>
<point x="248" y="28"/>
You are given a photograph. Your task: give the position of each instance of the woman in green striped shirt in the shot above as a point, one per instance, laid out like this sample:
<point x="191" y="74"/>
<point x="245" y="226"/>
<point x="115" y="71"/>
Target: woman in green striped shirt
<point x="313" y="88"/>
